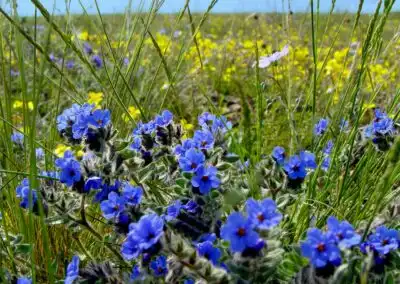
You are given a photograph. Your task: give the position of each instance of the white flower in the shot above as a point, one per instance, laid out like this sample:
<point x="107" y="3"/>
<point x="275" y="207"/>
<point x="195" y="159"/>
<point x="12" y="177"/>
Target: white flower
<point x="265" y="61"/>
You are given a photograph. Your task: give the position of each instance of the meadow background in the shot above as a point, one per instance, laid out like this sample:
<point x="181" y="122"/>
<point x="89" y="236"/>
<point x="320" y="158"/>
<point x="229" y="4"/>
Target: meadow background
<point x="342" y="64"/>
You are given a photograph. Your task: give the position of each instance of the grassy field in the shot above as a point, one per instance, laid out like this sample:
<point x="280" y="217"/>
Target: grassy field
<point x="338" y="83"/>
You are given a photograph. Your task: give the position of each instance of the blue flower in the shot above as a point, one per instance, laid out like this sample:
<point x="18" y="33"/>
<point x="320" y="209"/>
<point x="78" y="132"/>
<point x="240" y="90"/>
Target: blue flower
<point x="24" y="280"/>
<point x="39" y="153"/>
<point x="17" y="138"/>
<point x="132" y="194"/>
<point x="113" y="206"/>
<point x="344" y="232"/>
<point x="326" y="162"/>
<point x="207" y="250"/>
<point x="328" y="148"/>
<point x="321" y="126"/>
<point x="72" y="270"/>
<point x="144" y="128"/>
<point x="97" y="61"/>
<point x="278" y="154"/>
<point x="191" y="160"/>
<point x="70" y="169"/>
<point x="205" y="179"/>
<point x="136" y="273"/>
<point x="24" y="192"/>
<point x="137" y="144"/>
<point x="87" y="48"/>
<point x="308" y="159"/>
<point x="159" y="266"/>
<point x="130" y="248"/>
<point x="263" y="214"/>
<point x="186" y="145"/>
<point x="106" y="189"/>
<point x="384" y="240"/>
<point x="221" y="124"/>
<point x="92" y="183"/>
<point x="205" y="118"/>
<point x="164" y="119"/>
<point x="320" y="248"/>
<point x="188" y="281"/>
<point x="209" y="237"/>
<point x="203" y="139"/>
<point x="100" y="118"/>
<point x="239" y="232"/>
<point x="70" y="64"/>
<point x="148" y="230"/>
<point x="295" y="168"/>
<point x="173" y="210"/>
<point x="383" y="126"/>
<point x="191" y="206"/>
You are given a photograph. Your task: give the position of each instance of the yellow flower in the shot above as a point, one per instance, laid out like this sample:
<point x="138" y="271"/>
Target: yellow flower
<point x="95" y="98"/>
<point x="19" y="104"/>
<point x="83" y="35"/>
<point x="79" y="153"/>
<point x="185" y="125"/>
<point x="369" y="106"/>
<point x="134" y="112"/>
<point x="60" y="150"/>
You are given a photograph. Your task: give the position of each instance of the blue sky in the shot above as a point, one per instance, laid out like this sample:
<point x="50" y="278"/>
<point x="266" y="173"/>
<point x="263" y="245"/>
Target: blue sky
<point x="223" y="6"/>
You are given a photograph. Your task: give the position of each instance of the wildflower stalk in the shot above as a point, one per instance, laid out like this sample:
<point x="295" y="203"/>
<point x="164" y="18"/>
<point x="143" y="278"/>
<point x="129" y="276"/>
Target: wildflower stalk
<point x="188" y="257"/>
<point x="85" y="224"/>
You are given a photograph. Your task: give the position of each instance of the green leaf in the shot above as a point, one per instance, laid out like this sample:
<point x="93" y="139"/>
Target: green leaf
<point x="23" y="248"/>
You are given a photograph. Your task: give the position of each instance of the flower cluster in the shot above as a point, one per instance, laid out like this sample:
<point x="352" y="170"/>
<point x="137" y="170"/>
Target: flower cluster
<point x="324" y="248"/>
<point x="75" y="122"/>
<point x="381" y="130"/>
<point x="241" y="232"/>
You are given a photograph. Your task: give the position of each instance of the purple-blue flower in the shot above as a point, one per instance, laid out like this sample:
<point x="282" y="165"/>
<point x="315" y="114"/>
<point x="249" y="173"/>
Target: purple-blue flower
<point x="321" y="126"/>
<point x="308" y="159"/>
<point x="295" y="168"/>
<point x="384" y="240"/>
<point x="148" y="230"/>
<point x="17" y="138"/>
<point x="100" y="118"/>
<point x="278" y="154"/>
<point x="92" y="183"/>
<point x="87" y="48"/>
<point x="205" y="179"/>
<point x="328" y="148"/>
<point x="113" y="206"/>
<point x="24" y="280"/>
<point x="173" y="210"/>
<point x="263" y="214"/>
<point x="326" y="162"/>
<point x="137" y="144"/>
<point x="39" y="152"/>
<point x="203" y="139"/>
<point x="130" y="247"/>
<point x="344" y="232"/>
<point x="132" y="194"/>
<point x="159" y="266"/>
<point x="164" y="119"/>
<point x="24" y="192"/>
<point x="192" y="159"/>
<point x="97" y="61"/>
<point x="320" y="248"/>
<point x="72" y="270"/>
<point x="186" y="145"/>
<point x="207" y="250"/>
<point x="239" y="232"/>
<point x="70" y="169"/>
